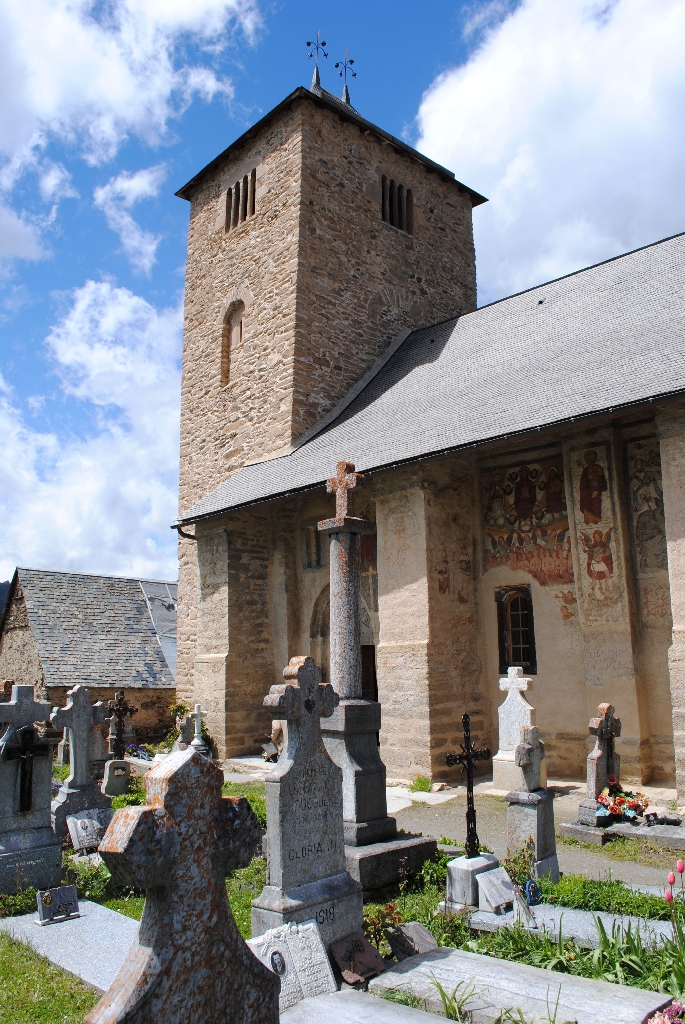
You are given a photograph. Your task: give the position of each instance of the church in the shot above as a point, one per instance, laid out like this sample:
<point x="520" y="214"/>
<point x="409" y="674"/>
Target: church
<point x="523" y="463"/>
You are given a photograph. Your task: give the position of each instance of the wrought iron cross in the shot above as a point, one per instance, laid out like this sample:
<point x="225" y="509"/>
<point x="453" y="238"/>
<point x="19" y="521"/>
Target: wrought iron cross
<point x="20" y="745"/>
<point x="119" y="708"/>
<point x="342" y="483"/>
<point x="316" y="45"/>
<point x="469" y="755"/>
<point x="345" y="65"/>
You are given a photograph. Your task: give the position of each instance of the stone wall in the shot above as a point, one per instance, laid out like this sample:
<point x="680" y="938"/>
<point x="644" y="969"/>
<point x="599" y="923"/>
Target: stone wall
<point x="19" y="658"/>
<point x="153" y="721"/>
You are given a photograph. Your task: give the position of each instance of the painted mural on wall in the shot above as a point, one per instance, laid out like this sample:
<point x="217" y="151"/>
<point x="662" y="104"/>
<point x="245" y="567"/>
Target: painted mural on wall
<point x="526" y="522"/>
<point x="647" y="505"/>
<point x="595" y="535"/>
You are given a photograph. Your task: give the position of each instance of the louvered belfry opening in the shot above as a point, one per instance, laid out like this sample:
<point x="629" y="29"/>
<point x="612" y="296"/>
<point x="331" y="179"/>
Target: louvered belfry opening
<point x="241" y="200"/>
<point x="397" y="205"/>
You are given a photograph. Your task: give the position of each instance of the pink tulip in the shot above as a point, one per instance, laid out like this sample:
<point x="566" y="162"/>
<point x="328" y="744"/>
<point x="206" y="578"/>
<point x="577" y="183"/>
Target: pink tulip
<point x="671" y="878"/>
<point x="680" y="866"/>
<point x="668" y="895"/>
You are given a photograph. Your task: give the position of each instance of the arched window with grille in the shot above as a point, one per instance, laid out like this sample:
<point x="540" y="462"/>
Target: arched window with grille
<point x="241" y="201"/>
<point x="397" y="205"/>
<point x="231" y="340"/>
<point x="516" y="628"/>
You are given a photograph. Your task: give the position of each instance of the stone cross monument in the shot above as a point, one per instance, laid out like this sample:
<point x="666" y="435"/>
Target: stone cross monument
<point x="306" y="871"/>
<point x="514" y="714"/>
<point x="351" y="732"/>
<point x="603" y="762"/>
<point x="120" y="711"/>
<point x="530" y="812"/>
<point x="30" y="852"/>
<point x="189" y="961"/>
<point x="198" y="743"/>
<point x="80" y="792"/>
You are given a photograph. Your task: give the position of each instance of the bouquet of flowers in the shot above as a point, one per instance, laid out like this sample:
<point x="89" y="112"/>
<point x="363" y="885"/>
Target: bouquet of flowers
<point x="673" y="1012"/>
<point x="617" y="804"/>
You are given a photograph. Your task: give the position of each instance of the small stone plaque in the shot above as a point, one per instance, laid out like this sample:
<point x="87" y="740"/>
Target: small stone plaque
<point x="297" y="955"/>
<point x="495" y="890"/>
<point x="522" y="913"/>
<point x="58" y="904"/>
<point x="410" y="939"/>
<point x="357" y="958"/>
<point x="88" y="828"/>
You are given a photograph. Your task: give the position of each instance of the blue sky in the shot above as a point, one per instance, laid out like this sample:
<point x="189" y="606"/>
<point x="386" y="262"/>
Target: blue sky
<point x="568" y="114"/>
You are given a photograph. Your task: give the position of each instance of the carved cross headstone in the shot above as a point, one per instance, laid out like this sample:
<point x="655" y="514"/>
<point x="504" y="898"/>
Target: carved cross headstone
<point x="119" y="710"/>
<point x="603" y="762"/>
<point x="515" y="712"/>
<point x="189" y="961"/>
<point x="306" y="871"/>
<point x="197" y="743"/>
<point x="529" y="755"/>
<point x="79" y="792"/>
<point x="30" y="853"/>
<point x="468" y="757"/>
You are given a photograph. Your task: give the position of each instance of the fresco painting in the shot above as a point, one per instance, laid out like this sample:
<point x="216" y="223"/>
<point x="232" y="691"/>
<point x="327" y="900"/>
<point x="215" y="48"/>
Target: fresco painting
<point x="647" y="506"/>
<point x="526" y="522"/>
<point x="598" y="584"/>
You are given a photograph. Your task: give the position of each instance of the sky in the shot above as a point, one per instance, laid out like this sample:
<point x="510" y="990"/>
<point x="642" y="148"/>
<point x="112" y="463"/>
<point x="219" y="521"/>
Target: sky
<point x="567" y="114"/>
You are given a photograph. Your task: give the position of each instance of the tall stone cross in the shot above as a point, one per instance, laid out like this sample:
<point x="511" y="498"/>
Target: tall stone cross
<point x="80" y="791"/>
<point x="515" y="713"/>
<point x="529" y="755"/>
<point x="19" y="743"/>
<point x="342" y="484"/>
<point x="119" y="708"/>
<point x="468" y="757"/>
<point x="189" y="961"/>
<point x="603" y="762"/>
<point x="198" y="743"/>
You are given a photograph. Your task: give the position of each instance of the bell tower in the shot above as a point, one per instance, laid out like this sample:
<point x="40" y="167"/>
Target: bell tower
<point x="316" y="239"/>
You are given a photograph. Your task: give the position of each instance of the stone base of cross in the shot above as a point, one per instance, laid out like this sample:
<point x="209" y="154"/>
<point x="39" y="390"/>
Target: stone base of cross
<point x="80" y="792"/>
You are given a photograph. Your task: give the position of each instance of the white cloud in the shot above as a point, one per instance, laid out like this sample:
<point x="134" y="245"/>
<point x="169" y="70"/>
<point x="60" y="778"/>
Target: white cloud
<point x="18" y="238"/>
<point x="568" y="116"/>
<point x="96" y="73"/>
<point x="102" y="500"/>
<point x="55" y="183"/>
<point x="116" y="198"/>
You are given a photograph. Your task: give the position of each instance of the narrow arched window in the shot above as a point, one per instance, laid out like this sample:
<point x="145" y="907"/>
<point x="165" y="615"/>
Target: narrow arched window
<point x="243" y="204"/>
<point x="229" y="210"/>
<point x="253" y="191"/>
<point x="409" y="226"/>
<point x="393" y="203"/>
<point x="400" y="207"/>
<point x="384" y="199"/>
<point x="231" y="340"/>
<point x="516" y="628"/>
<point x="236" y="205"/>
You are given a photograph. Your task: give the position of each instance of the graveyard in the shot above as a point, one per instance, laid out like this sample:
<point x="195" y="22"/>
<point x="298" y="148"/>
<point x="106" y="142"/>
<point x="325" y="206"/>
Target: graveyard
<point x="162" y="884"/>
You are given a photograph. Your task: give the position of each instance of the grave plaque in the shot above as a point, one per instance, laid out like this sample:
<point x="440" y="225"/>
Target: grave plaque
<point x="189" y="961"/>
<point x="115" y="781"/>
<point x="495" y="891"/>
<point x="297" y="955"/>
<point x="357" y="959"/>
<point x="58" y="904"/>
<point x="88" y="827"/>
<point x="306" y="872"/>
<point x="410" y="939"/>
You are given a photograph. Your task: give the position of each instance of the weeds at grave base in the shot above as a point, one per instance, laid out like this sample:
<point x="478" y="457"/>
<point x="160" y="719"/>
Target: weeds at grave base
<point x="622" y="848"/>
<point x="405" y="997"/>
<point x="421" y="784"/>
<point x="454" y="1003"/>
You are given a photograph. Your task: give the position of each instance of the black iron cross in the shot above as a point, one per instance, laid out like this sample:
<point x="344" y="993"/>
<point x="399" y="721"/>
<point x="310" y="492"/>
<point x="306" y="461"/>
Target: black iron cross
<point x="119" y="708"/>
<point x="20" y="745"/>
<point x="469" y="755"/>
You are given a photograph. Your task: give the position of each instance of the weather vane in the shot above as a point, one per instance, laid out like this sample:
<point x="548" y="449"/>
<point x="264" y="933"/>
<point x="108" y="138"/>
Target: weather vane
<point x="343" y="67"/>
<point x="316" y="45"/>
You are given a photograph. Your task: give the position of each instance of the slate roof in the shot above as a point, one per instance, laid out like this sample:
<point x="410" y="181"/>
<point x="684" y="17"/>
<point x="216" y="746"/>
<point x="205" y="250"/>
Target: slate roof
<point x="603" y="339"/>
<point x="99" y="630"/>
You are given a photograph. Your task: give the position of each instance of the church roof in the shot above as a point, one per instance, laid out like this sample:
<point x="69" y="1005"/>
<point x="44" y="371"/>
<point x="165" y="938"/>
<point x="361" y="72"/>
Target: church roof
<point x="100" y="630"/>
<point x="601" y="340"/>
<point x="323" y="98"/>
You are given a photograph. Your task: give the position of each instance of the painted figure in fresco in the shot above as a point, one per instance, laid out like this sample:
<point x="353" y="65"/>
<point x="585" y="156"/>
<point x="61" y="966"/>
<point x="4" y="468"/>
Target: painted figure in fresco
<point x="556" y="499"/>
<point x="525" y="494"/>
<point x="593" y="483"/>
<point x="600" y="561"/>
<point x="648" y="509"/>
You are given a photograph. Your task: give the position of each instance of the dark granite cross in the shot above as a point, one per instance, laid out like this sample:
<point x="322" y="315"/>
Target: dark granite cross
<point x="469" y="755"/>
<point x="342" y="483"/>
<point x="119" y="708"/>
<point x="20" y="745"/>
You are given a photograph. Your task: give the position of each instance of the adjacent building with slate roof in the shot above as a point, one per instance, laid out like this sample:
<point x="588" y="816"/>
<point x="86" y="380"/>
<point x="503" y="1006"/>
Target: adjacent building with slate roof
<point x="524" y="463"/>
<point x="105" y="632"/>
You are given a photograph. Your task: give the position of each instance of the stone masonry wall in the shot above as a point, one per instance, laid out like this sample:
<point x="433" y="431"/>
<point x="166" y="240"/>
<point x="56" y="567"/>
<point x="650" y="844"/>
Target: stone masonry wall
<point x="153" y="721"/>
<point x="19" y="658"/>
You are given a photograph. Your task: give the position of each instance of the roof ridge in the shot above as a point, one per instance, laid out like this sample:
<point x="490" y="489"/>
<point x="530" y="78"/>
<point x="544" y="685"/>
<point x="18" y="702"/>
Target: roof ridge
<point x="95" y="575"/>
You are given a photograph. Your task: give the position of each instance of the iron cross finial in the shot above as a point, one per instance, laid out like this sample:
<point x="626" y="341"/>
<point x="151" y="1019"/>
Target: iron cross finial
<point x="342" y="483"/>
<point x="344" y="66"/>
<point x="316" y="45"/>
<point x="469" y="755"/>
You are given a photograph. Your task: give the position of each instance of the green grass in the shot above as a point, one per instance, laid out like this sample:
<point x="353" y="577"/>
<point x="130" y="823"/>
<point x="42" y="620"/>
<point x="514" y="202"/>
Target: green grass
<point x="255" y="793"/>
<point x="579" y="892"/>
<point x="243" y="886"/>
<point x="60" y="771"/>
<point x="639" y="851"/>
<point x="129" y="906"/>
<point x="421" y="784"/>
<point x="33" y="991"/>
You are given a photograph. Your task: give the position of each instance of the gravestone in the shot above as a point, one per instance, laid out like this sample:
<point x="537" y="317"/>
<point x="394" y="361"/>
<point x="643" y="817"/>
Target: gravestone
<point x="186" y="732"/>
<point x="463" y="872"/>
<point x="88" y="828"/>
<point x="530" y="811"/>
<point x="297" y="955"/>
<point x="80" y="791"/>
<point x="121" y="733"/>
<point x="356" y="958"/>
<point x="306" y="872"/>
<point x="409" y="940"/>
<point x="59" y="904"/>
<point x="115" y="781"/>
<point x="198" y="742"/>
<point x="603" y="762"/>
<point x="30" y="852"/>
<point x="495" y="891"/>
<point x="514" y="714"/>
<point x="374" y="851"/>
<point x="189" y="961"/>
